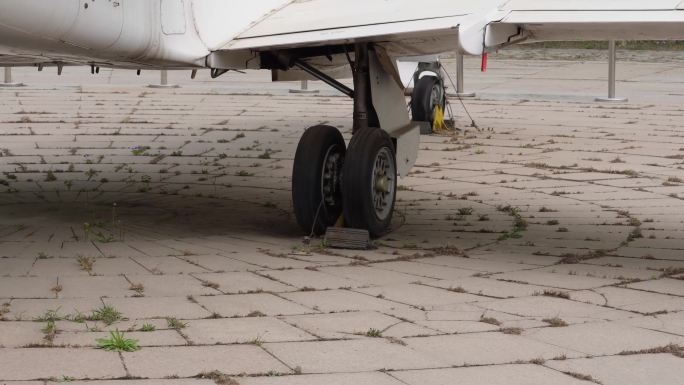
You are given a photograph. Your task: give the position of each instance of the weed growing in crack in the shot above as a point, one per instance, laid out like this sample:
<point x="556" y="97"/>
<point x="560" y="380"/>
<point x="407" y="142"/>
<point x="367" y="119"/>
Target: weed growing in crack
<point x="49" y="315"/>
<point x="218" y="377"/>
<point x="148" y="328"/>
<point x="138" y="288"/>
<point x="555" y="322"/>
<point x="175" y="324"/>
<point x="49" y="331"/>
<point x="513" y="331"/>
<point x="86" y="263"/>
<point x="117" y="343"/>
<point x="107" y="314"/>
<point x="490" y="320"/>
<point x="554" y="293"/>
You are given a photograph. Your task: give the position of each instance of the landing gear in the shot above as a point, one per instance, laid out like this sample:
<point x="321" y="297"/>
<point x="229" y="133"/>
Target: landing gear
<point x="316" y="192"/>
<point x="370" y="182"/>
<point x="367" y="192"/>
<point x="360" y="181"/>
<point x="428" y="96"/>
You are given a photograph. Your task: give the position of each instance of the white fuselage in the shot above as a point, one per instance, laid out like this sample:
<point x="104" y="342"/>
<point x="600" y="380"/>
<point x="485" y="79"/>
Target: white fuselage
<point x="126" y="33"/>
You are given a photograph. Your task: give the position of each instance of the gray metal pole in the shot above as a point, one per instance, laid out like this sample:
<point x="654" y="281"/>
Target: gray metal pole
<point x="612" y="60"/>
<point x="304" y="88"/>
<point x="459" y="73"/>
<point x="612" y="57"/>
<point x="8" y="79"/>
<point x="460" y="83"/>
<point x="164" y="81"/>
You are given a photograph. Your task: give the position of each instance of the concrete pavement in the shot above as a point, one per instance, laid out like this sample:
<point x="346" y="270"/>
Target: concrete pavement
<point x="545" y="245"/>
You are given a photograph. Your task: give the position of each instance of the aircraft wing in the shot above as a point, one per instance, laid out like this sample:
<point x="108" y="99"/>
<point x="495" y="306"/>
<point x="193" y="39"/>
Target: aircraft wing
<point x="595" y="19"/>
<point x="433" y="26"/>
<point x="414" y="26"/>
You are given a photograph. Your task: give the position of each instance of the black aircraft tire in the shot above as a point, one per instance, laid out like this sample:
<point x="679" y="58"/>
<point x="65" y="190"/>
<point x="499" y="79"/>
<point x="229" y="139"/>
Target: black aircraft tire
<point x="369" y="183"/>
<point x="423" y="102"/>
<point x="316" y="176"/>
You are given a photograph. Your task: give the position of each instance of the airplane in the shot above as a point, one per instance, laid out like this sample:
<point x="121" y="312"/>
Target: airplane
<point x="326" y="40"/>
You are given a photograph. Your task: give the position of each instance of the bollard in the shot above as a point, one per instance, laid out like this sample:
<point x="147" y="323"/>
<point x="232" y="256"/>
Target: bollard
<point x="8" y="79"/>
<point x="164" y="81"/>
<point x="460" y="93"/>
<point x="303" y="89"/>
<point x="612" y="58"/>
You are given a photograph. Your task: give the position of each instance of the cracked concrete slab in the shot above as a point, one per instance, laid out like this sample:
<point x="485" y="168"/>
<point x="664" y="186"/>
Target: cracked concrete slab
<point x="493" y="375"/>
<point x="190" y="361"/>
<point x="649" y="369"/>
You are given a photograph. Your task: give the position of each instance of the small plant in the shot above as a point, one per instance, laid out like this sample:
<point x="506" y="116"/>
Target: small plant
<point x="107" y="314"/>
<point x="374" y="333"/>
<point x="553" y="222"/>
<point x="139" y="150"/>
<point x="256" y="313"/>
<point x="117" y="343"/>
<point x="102" y="237"/>
<point x="265" y="155"/>
<point x="49" y="315"/>
<point x="50" y="177"/>
<point x="490" y="320"/>
<point x="174" y="323"/>
<point x="210" y="284"/>
<point x="513" y="331"/>
<point x="555" y="293"/>
<point x="555" y="322"/>
<point x="86" y="263"/>
<point x="218" y="378"/>
<point x="50" y="331"/>
<point x="465" y="211"/>
<point x="457" y="289"/>
<point x="580" y="376"/>
<point x="243" y="173"/>
<point x="138" y="288"/>
<point x="148" y="328"/>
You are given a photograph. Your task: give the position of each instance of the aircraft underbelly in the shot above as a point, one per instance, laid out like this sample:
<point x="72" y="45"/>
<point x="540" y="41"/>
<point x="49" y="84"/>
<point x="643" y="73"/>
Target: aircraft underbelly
<point x="98" y="24"/>
<point x="117" y="32"/>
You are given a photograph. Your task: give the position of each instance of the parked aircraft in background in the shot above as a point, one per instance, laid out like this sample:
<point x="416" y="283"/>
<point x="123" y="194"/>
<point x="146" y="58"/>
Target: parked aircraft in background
<point x="326" y="40"/>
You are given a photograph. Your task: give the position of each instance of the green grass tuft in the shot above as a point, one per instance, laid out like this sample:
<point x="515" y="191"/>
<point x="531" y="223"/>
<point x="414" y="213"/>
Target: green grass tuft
<point x="107" y="314"/>
<point x="118" y="343"/>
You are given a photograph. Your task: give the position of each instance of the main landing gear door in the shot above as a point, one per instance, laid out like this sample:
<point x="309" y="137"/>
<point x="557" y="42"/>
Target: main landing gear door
<point x="390" y="105"/>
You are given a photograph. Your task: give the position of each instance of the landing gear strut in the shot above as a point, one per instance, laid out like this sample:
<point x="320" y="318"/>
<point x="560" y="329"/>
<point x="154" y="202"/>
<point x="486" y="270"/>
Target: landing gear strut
<point x="361" y="182"/>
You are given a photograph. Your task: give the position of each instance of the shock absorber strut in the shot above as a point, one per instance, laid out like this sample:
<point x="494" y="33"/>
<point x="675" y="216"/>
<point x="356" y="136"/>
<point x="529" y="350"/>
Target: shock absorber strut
<point x="364" y="113"/>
